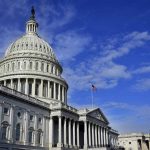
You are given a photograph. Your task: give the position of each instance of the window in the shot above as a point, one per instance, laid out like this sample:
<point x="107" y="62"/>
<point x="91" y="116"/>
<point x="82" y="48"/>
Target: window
<point x="18" y="65"/>
<point x="31" y="117"/>
<point x="45" y="90"/>
<point x="8" y="67"/>
<point x="31" y="135"/>
<point x="42" y="67"/>
<point x="13" y="66"/>
<point x="40" y="120"/>
<point x="18" y="132"/>
<point x="47" y="68"/>
<point x="39" y="137"/>
<point x="24" y="65"/>
<point x="30" y="88"/>
<point x="19" y="114"/>
<point x="23" y="87"/>
<point x="129" y="142"/>
<point x="6" y="110"/>
<point x="36" y="66"/>
<point x="37" y="89"/>
<point x="30" y="65"/>
<point x="4" y="130"/>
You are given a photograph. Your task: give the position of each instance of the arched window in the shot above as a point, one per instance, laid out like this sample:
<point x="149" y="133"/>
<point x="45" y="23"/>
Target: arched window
<point x="39" y="136"/>
<point x="13" y="66"/>
<point x="4" y="130"/>
<point x="42" y="67"/>
<point x="30" y="65"/>
<point x="24" y="65"/>
<point x="18" y="132"/>
<point x="36" y="66"/>
<point x="30" y="135"/>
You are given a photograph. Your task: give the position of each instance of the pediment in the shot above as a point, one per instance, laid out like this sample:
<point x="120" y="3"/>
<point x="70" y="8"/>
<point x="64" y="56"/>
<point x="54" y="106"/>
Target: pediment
<point x="97" y="113"/>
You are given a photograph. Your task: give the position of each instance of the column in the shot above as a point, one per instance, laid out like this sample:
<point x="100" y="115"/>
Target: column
<point x="33" y="88"/>
<point x="4" y="82"/>
<point x="96" y="135"/>
<point x="26" y="86"/>
<point x="48" y="86"/>
<point x="93" y="143"/>
<point x="89" y="130"/>
<point x="11" y="123"/>
<point x="54" y="90"/>
<point x="104" y="134"/>
<point x="62" y="93"/>
<point x="78" y="143"/>
<point x="58" y="91"/>
<point x="51" y="132"/>
<point x="106" y="137"/>
<point x="74" y="135"/>
<point x="19" y="85"/>
<point x="59" y="133"/>
<point x="41" y="91"/>
<point x="85" y="134"/>
<point x="65" y="142"/>
<point x="26" y="118"/>
<point x="102" y="143"/>
<point x="69" y="132"/>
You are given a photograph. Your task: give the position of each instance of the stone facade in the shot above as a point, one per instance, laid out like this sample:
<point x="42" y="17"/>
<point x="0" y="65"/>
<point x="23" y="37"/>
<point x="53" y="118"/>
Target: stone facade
<point x="34" y="113"/>
<point x="134" y="141"/>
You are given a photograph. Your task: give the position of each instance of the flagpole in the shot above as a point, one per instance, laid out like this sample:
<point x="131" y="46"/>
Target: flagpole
<point x="92" y="96"/>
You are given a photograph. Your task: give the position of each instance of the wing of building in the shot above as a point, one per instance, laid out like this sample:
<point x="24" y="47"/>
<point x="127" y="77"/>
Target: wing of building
<point x="134" y="141"/>
<point x="34" y="114"/>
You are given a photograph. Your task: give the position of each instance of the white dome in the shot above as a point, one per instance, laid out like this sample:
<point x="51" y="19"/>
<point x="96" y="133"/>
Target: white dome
<point x="30" y="44"/>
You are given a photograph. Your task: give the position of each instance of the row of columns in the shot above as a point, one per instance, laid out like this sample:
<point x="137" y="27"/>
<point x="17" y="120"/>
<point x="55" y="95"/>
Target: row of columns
<point x="52" y="90"/>
<point x="73" y="131"/>
<point x="97" y="136"/>
<point x="94" y="136"/>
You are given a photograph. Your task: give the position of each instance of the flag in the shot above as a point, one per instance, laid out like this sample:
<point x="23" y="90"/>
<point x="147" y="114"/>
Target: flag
<point x="93" y="87"/>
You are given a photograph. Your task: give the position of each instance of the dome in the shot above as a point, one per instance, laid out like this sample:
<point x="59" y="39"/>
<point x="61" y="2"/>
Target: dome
<point x="30" y="67"/>
<point x="30" y="44"/>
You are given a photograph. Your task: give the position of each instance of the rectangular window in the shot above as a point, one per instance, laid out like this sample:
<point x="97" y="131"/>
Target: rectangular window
<point x="23" y="87"/>
<point x="6" y="111"/>
<point x="37" y="89"/>
<point x="30" y="88"/>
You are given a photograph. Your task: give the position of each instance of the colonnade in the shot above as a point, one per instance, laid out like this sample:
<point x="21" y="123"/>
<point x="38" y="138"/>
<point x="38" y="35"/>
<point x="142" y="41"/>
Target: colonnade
<point x="38" y="87"/>
<point x="95" y="135"/>
<point x="70" y="134"/>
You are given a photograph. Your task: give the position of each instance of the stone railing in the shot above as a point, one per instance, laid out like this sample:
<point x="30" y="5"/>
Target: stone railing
<point x="23" y="96"/>
<point x="62" y="105"/>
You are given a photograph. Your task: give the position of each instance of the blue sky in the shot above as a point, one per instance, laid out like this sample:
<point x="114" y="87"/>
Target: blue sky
<point x="100" y="41"/>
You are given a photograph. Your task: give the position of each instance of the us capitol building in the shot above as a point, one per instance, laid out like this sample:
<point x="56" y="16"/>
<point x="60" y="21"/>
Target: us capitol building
<point x="34" y="114"/>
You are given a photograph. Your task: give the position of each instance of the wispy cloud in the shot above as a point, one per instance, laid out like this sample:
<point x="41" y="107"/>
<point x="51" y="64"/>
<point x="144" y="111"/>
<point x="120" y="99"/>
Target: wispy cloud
<point x="102" y="69"/>
<point x="131" y="119"/>
<point x="69" y="44"/>
<point x="142" y="84"/>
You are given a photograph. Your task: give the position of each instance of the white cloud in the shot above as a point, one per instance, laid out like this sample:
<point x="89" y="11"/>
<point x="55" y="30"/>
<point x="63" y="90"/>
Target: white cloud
<point x="69" y="44"/>
<point x="142" y="85"/>
<point x="142" y="70"/>
<point x="102" y="69"/>
<point x="131" y="119"/>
